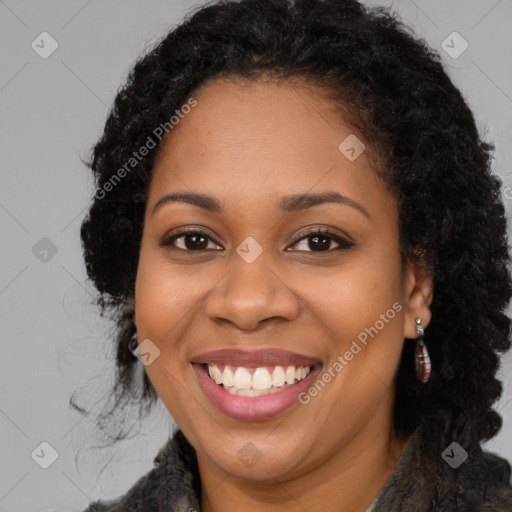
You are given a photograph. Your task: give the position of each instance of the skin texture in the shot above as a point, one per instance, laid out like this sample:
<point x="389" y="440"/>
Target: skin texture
<point x="248" y="144"/>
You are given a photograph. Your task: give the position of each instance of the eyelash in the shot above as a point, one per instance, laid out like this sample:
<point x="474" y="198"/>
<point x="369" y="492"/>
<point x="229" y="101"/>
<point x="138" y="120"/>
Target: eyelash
<point x="344" y="244"/>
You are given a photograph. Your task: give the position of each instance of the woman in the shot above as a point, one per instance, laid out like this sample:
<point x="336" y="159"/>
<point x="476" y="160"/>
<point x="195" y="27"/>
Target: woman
<point x="296" y="223"/>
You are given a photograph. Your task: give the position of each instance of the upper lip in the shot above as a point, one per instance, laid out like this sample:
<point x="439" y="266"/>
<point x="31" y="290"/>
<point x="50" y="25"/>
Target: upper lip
<point x="254" y="358"/>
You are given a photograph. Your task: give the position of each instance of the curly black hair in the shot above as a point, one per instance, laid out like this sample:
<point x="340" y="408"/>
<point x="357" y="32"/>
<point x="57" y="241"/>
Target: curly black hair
<point x="428" y="149"/>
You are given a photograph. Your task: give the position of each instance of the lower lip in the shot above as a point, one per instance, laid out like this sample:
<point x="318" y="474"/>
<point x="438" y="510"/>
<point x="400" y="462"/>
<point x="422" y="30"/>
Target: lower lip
<point x="253" y="408"/>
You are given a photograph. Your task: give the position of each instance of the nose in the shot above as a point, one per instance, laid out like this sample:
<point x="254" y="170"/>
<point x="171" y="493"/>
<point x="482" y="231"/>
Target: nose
<point x="250" y="294"/>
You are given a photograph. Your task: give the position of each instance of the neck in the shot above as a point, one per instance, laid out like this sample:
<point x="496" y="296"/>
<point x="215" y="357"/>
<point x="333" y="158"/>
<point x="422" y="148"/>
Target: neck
<point x="353" y="476"/>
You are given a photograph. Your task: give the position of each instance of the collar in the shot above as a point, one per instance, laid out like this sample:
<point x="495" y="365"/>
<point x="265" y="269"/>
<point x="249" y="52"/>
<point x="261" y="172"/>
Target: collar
<point x="422" y="481"/>
<point x="182" y="483"/>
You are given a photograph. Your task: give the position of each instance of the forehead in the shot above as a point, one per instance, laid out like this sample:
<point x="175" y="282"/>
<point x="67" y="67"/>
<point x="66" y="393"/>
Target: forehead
<point x="247" y="140"/>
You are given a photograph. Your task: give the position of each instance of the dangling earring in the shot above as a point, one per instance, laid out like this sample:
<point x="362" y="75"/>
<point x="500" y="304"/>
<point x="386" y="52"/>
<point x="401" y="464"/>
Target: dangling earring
<point x="133" y="343"/>
<point x="422" y="362"/>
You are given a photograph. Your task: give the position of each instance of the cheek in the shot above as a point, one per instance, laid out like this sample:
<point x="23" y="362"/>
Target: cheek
<point x="164" y="296"/>
<point x="353" y="298"/>
<point x="164" y="307"/>
<point x="363" y="305"/>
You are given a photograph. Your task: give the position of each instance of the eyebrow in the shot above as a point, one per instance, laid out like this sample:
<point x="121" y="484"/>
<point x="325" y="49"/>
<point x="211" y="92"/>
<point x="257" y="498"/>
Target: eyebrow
<point x="287" y="204"/>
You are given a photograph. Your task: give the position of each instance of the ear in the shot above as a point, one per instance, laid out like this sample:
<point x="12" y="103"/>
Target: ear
<point x="419" y="292"/>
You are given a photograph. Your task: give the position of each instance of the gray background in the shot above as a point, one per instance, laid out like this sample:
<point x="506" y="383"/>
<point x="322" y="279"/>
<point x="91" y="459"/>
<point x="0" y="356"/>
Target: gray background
<point x="52" y="110"/>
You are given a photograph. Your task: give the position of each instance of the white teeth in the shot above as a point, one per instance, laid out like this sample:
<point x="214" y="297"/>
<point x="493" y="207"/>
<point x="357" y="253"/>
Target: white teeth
<point x="215" y="374"/>
<point x="227" y="376"/>
<point x="261" y="379"/>
<point x="253" y="392"/>
<point x="242" y="378"/>
<point x="290" y="375"/>
<point x="278" y="376"/>
<point x="239" y="381"/>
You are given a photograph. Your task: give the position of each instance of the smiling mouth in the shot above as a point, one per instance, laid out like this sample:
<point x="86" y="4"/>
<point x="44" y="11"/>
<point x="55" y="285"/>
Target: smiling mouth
<point x="252" y="382"/>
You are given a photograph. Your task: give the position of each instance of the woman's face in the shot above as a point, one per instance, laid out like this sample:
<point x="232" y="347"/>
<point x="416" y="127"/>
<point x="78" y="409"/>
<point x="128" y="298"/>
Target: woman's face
<point x="260" y="296"/>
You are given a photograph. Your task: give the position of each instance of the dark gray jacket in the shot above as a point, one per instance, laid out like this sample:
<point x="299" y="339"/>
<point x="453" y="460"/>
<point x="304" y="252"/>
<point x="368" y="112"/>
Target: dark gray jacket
<point x="423" y="481"/>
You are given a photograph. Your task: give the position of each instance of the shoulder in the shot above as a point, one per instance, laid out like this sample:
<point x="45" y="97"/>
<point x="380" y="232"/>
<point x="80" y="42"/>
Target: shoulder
<point x="430" y="477"/>
<point x="480" y="483"/>
<point x="143" y="495"/>
<point x="171" y="484"/>
<point x="484" y="482"/>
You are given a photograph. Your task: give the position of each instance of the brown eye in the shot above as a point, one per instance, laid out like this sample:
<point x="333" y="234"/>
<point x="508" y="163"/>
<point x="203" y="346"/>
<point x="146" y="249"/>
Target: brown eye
<point x="320" y="241"/>
<point x="193" y="240"/>
<point x="197" y="241"/>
